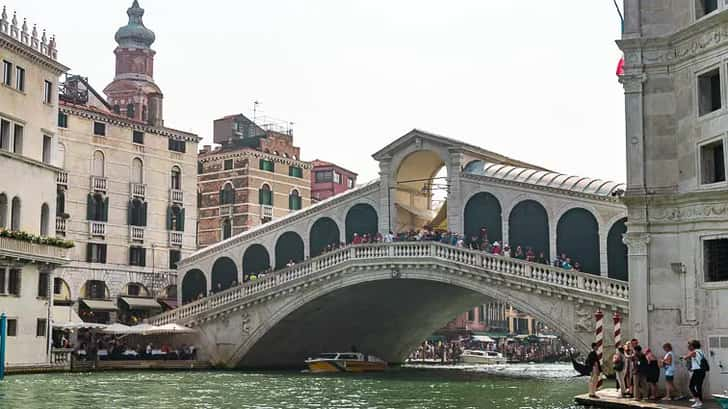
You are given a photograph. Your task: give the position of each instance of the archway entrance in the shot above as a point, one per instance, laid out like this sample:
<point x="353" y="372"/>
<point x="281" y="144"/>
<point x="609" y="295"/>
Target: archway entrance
<point x="361" y="219"/>
<point x="255" y="260"/>
<point x="324" y="233"/>
<point x="194" y="286"/>
<point x="617" y="251"/>
<point x="528" y="226"/>
<point x="289" y="247"/>
<point x="577" y="236"/>
<point x="483" y="211"/>
<point x="419" y="192"/>
<point x="224" y="273"/>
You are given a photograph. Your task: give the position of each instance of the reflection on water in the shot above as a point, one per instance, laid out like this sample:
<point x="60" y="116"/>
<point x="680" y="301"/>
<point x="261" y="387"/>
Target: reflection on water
<point x="417" y="388"/>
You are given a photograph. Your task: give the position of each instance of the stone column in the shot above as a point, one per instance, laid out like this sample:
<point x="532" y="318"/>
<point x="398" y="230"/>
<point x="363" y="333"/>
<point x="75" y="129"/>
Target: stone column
<point x="639" y="282"/>
<point x="603" y="255"/>
<point x="454" y="205"/>
<point x="387" y="212"/>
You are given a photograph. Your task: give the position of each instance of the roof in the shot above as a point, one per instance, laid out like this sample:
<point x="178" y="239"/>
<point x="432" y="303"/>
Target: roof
<point x="318" y="163"/>
<point x="542" y="178"/>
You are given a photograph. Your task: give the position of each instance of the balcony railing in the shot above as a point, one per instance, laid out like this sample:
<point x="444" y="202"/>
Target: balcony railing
<point x="176" y="196"/>
<point x="175" y="238"/>
<point x="60" y="225"/>
<point x="32" y="251"/>
<point x="138" y="190"/>
<point x="62" y="178"/>
<point x="96" y="229"/>
<point x="226" y="210"/>
<point x="99" y="184"/>
<point x="136" y="233"/>
<point x="266" y="212"/>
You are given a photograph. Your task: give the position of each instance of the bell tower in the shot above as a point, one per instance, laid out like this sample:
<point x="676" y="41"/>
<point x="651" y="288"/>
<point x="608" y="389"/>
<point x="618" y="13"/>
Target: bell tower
<point x="133" y="93"/>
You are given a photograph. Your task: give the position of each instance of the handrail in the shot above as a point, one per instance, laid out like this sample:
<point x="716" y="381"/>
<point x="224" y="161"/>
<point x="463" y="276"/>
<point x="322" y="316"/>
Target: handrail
<point x="472" y="258"/>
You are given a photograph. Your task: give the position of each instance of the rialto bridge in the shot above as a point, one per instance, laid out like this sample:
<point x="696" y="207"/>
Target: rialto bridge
<point x="386" y="298"/>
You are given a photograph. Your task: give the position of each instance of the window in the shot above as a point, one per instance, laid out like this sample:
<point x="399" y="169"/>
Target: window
<point x="350" y="183"/>
<point x="15" y="214"/>
<point x="18" y="139"/>
<point x="709" y="99"/>
<point x="7" y="73"/>
<point x="227" y="229"/>
<point x="57" y="285"/>
<point x="294" y="200"/>
<point x="712" y="163"/>
<point x="3" y="273"/>
<point x="176" y="178"/>
<point x="227" y="195"/>
<point x="98" y="164"/>
<point x="137" y="213"/>
<point x="43" y="284"/>
<point x="40" y="327"/>
<point x="20" y="79"/>
<point x="174" y="257"/>
<point x="323" y="176"/>
<point x="12" y="327"/>
<point x="45" y="218"/>
<point x="267" y="165"/>
<point x="295" y="172"/>
<point x="137" y="171"/>
<point x="3" y="212"/>
<point x="95" y="289"/>
<point x="4" y="134"/>
<point x="704" y="7"/>
<point x="97" y="207"/>
<point x="62" y="120"/>
<point x="228" y="164"/>
<point x="175" y="218"/>
<point x="715" y="254"/>
<point x="137" y="256"/>
<point x="133" y="290"/>
<point x="117" y="109"/>
<point x="14" y="282"/>
<point x="337" y="178"/>
<point x="200" y="168"/>
<point x="471" y="315"/>
<point x="265" y="195"/>
<point x="47" y="92"/>
<point x="96" y="253"/>
<point x="130" y="110"/>
<point x="47" y="141"/>
<point x="99" y="129"/>
<point x="177" y="146"/>
<point x="138" y="137"/>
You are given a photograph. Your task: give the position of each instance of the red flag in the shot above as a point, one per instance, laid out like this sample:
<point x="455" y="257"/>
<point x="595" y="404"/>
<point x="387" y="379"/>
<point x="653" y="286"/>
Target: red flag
<point x="620" y="67"/>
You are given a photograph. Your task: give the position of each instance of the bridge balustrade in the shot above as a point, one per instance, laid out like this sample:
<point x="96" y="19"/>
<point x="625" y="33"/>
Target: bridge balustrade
<point x="477" y="260"/>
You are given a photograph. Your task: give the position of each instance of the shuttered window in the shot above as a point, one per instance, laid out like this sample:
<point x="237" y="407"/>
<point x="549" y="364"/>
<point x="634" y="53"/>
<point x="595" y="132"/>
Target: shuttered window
<point x="295" y="171"/>
<point x="267" y="165"/>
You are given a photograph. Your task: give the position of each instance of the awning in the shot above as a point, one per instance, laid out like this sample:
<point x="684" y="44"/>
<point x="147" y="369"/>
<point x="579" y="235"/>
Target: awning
<point x="141" y="303"/>
<point x="483" y="338"/>
<point x="169" y="303"/>
<point x="99" y="305"/>
<point x="64" y="314"/>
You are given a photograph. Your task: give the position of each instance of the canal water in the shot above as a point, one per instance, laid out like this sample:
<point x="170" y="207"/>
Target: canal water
<point x="513" y="387"/>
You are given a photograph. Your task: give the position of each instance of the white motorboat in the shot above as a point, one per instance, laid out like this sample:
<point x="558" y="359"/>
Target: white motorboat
<point x="474" y="356"/>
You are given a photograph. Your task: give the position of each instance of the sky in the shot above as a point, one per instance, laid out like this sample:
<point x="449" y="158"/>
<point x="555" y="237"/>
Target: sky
<point x="533" y="80"/>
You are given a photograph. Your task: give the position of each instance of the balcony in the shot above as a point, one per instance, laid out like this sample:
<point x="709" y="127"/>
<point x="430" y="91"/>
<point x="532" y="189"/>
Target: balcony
<point x="266" y="213"/>
<point x="60" y="225"/>
<point x="176" y="196"/>
<point x="175" y="238"/>
<point x="226" y="210"/>
<point x="99" y="184"/>
<point x="96" y="229"/>
<point x="23" y="250"/>
<point x="62" y="178"/>
<point x="138" y="190"/>
<point x="136" y="233"/>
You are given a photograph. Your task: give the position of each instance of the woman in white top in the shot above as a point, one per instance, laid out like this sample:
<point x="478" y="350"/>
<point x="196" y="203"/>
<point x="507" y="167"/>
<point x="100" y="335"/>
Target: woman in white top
<point x="695" y="356"/>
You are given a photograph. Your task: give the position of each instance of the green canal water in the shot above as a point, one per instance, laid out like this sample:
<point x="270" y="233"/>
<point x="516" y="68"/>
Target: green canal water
<point x="520" y="387"/>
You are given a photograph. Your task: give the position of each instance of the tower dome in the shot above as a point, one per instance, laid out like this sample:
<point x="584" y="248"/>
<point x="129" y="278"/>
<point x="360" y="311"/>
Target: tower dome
<point x="134" y="34"/>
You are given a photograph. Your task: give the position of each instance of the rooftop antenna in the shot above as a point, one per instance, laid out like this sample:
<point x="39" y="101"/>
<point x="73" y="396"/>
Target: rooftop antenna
<point x="255" y="109"/>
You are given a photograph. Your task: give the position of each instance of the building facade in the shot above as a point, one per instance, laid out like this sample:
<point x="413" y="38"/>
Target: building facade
<point x="29" y="252"/>
<point x="677" y="188"/>
<point x="125" y="189"/>
<point x="495" y="317"/>
<point x="329" y="179"/>
<point x="254" y="176"/>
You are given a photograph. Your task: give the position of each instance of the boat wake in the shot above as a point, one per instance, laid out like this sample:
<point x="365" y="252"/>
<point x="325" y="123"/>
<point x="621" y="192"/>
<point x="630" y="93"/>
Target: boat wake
<point x="541" y="371"/>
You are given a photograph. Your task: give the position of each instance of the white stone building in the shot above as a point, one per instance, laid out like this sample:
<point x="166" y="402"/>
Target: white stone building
<point x="676" y="65"/>
<point x="28" y="111"/>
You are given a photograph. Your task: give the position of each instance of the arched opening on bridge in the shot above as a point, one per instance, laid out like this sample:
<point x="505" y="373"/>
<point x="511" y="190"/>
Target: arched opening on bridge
<point x="224" y="274"/>
<point x="361" y="219"/>
<point x="194" y="286"/>
<point x="289" y="247"/>
<point x="420" y="192"/>
<point x="324" y="233"/>
<point x="617" y="251"/>
<point x="528" y="226"/>
<point x="577" y="236"/>
<point x="483" y="211"/>
<point x="255" y="260"/>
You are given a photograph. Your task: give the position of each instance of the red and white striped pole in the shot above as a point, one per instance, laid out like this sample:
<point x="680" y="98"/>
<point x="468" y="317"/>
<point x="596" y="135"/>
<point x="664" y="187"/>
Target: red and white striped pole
<point x="599" y="333"/>
<point x="617" y="319"/>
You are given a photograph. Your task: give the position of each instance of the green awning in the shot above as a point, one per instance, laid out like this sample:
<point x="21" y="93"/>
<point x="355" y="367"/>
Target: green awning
<point x="99" y="305"/>
<point x="141" y="303"/>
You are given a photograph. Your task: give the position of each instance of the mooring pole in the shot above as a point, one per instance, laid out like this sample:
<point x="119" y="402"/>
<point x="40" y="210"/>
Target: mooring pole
<point x="3" y="340"/>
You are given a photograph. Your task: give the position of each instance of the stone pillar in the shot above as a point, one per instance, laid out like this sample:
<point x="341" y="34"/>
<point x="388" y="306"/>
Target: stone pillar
<point x="552" y="238"/>
<point x="639" y="283"/>
<point x="603" y="255"/>
<point x="634" y="116"/>
<point x="530" y="325"/>
<point x="454" y="205"/>
<point x="387" y="211"/>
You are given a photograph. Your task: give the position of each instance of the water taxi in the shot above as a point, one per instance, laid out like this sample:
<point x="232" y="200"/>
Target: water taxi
<point x="474" y="356"/>
<point x="722" y="400"/>
<point x="345" y="362"/>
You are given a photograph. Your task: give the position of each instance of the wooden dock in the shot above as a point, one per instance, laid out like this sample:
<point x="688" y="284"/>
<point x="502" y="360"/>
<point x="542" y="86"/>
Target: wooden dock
<point x="610" y="399"/>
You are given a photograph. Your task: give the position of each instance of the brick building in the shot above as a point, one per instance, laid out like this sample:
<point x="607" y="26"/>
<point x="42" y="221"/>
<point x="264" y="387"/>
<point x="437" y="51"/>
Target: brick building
<point x="254" y="176"/>
<point x="329" y="179"/>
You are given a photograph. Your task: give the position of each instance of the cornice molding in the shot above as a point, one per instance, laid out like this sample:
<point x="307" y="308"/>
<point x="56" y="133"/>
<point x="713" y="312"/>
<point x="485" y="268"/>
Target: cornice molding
<point x="212" y="156"/>
<point x="31" y="54"/>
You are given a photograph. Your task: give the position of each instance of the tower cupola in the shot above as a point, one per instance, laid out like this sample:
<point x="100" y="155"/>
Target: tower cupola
<point x="135" y="34"/>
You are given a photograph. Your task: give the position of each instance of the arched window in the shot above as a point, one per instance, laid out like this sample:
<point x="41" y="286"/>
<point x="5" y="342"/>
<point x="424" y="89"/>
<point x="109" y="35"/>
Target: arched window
<point x="130" y="110"/>
<point x="97" y="207"/>
<point x="265" y="195"/>
<point x="175" y="218"/>
<point x="294" y="200"/>
<point x="176" y="182"/>
<point x="3" y="210"/>
<point x="60" y="202"/>
<point x="227" y="194"/>
<point x="15" y="214"/>
<point x="44" y="219"/>
<point x="98" y="164"/>
<point x="227" y="229"/>
<point x="137" y="213"/>
<point x="137" y="171"/>
<point x="61" y="156"/>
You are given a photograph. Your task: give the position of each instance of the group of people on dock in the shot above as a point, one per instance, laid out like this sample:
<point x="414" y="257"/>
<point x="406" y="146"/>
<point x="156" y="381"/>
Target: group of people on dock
<point x="638" y="371"/>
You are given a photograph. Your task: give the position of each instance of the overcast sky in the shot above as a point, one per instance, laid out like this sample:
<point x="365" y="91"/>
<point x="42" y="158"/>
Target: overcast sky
<point x="530" y="79"/>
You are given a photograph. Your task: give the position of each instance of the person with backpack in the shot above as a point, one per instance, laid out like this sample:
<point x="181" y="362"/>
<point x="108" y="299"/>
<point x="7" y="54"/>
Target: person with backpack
<point x="698" y="366"/>
<point x="619" y="364"/>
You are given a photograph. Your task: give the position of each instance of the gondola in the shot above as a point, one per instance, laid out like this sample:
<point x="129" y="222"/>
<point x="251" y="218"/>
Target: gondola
<point x="582" y="369"/>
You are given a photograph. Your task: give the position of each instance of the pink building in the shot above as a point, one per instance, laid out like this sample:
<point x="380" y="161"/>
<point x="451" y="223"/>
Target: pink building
<point x="328" y="179"/>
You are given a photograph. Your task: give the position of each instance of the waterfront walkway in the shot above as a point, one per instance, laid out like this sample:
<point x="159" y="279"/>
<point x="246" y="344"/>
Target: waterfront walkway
<point x="609" y="398"/>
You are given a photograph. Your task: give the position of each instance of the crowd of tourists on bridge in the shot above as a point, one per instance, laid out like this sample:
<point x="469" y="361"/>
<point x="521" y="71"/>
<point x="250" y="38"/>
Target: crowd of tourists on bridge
<point x="638" y="369"/>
